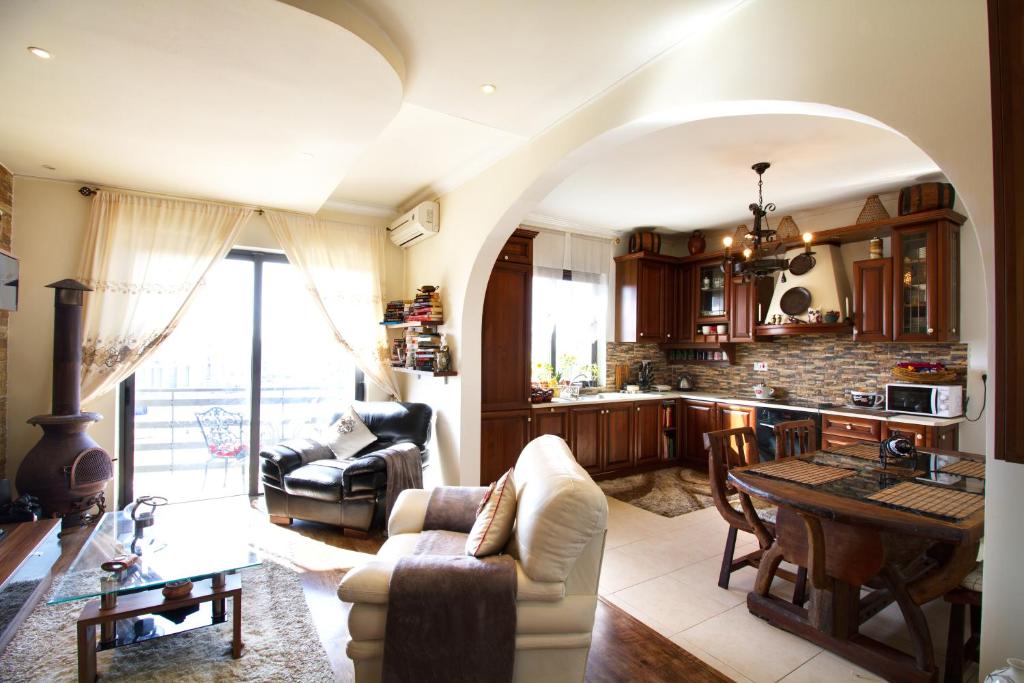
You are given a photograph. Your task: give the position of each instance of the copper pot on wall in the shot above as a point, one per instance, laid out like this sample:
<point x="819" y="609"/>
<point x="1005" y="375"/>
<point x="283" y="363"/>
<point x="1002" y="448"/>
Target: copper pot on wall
<point x="66" y="470"/>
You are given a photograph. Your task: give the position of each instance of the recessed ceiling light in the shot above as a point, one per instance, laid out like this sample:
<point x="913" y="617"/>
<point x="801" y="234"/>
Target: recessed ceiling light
<point x="39" y="52"/>
<point x="305" y="156"/>
<point x="488" y="88"/>
<point x="49" y="168"/>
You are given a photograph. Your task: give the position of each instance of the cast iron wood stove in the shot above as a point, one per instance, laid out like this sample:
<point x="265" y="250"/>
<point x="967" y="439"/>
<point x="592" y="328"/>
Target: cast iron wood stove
<point x="66" y="470"/>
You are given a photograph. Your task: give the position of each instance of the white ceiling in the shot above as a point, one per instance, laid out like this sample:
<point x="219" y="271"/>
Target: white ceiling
<point x="211" y="99"/>
<point x="698" y="175"/>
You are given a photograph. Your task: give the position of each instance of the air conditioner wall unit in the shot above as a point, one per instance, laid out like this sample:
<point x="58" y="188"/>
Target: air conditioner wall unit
<point x="416" y="225"/>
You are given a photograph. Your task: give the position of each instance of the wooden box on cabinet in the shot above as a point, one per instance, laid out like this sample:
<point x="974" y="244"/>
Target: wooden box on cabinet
<point x="551" y="420"/>
<point x="926" y="281"/>
<point x="872" y="300"/>
<point x="503" y="435"/>
<point x="644" y="298"/>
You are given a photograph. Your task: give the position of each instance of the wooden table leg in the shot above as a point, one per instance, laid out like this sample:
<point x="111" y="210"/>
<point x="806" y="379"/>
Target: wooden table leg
<point x="236" y="618"/>
<point x="217" y="581"/>
<point x="924" y="652"/>
<point x="86" y="653"/>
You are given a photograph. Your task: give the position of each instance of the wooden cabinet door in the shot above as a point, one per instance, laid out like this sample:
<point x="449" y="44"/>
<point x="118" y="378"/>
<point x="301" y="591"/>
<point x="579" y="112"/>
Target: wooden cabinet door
<point x="872" y="300"/>
<point x="648" y="428"/>
<point x="652" y="288"/>
<point x="916" y="283"/>
<point x="947" y="437"/>
<point x="856" y="428"/>
<point x="503" y="435"/>
<point x="549" y="420"/>
<point x="830" y="441"/>
<point x="685" y="306"/>
<point x="618" y="436"/>
<point x="732" y="417"/>
<point x="698" y="418"/>
<point x="505" y="340"/>
<point x="918" y="434"/>
<point x="586" y="436"/>
<point x="741" y="311"/>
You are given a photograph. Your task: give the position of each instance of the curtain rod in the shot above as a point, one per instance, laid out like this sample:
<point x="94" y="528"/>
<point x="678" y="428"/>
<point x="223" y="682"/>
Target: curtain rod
<point x="87" y="191"/>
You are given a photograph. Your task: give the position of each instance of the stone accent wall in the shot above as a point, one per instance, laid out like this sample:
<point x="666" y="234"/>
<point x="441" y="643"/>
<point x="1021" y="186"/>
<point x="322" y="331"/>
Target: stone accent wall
<point x="6" y="205"/>
<point x="811" y="367"/>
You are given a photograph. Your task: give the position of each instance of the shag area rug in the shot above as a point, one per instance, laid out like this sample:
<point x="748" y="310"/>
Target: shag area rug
<point x="669" y="492"/>
<point x="281" y="642"/>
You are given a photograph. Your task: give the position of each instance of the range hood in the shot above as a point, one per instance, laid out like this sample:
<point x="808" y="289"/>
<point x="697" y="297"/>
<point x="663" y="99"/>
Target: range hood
<point x="826" y="281"/>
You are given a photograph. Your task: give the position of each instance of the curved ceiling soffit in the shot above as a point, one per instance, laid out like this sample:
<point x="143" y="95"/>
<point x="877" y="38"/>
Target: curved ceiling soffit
<point x="352" y="20"/>
<point x="593" y="148"/>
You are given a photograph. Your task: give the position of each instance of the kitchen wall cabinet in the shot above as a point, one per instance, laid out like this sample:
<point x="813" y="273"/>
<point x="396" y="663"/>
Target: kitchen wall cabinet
<point x="746" y="301"/>
<point x="505" y="364"/>
<point x="684" y="318"/>
<point x="712" y="292"/>
<point x="645" y="299"/>
<point x="698" y="417"/>
<point x="503" y="435"/>
<point x="926" y="282"/>
<point x="551" y="420"/>
<point x="872" y="300"/>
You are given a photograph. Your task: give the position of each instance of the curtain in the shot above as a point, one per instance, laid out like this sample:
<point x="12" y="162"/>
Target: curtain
<point x="342" y="264"/>
<point x="145" y="258"/>
<point x="569" y="321"/>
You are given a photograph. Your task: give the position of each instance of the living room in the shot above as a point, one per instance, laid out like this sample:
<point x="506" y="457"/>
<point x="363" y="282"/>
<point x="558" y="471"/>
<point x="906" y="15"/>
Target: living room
<point x="263" y="341"/>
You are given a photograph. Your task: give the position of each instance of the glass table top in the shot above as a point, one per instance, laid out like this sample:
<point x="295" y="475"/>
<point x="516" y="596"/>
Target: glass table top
<point x="870" y="477"/>
<point x="177" y="546"/>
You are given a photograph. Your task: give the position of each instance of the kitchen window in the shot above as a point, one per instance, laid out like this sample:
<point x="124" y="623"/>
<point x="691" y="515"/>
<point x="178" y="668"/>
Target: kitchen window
<point x="570" y="308"/>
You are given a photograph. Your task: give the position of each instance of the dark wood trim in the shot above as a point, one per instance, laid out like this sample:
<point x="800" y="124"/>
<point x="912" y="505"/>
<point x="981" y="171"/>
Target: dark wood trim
<point x="1006" y="59"/>
<point x="126" y="444"/>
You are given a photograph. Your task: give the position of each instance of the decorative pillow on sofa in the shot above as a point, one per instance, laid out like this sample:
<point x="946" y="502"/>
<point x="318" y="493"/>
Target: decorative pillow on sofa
<point x="348" y="435"/>
<point x="494" y="519"/>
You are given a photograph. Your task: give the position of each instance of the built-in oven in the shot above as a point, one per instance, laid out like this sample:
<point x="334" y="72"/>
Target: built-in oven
<point x="938" y="400"/>
<point x="767" y="418"/>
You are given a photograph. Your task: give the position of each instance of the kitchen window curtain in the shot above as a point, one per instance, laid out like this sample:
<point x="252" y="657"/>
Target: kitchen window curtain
<point x="342" y="264"/>
<point x="145" y="258"/>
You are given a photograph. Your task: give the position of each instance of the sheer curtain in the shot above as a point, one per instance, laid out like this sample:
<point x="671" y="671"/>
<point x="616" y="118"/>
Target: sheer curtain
<point x="342" y="265"/>
<point x="145" y="258"/>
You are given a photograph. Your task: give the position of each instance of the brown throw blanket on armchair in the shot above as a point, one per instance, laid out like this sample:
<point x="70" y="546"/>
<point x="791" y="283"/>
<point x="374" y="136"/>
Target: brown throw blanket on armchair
<point x="451" y="617"/>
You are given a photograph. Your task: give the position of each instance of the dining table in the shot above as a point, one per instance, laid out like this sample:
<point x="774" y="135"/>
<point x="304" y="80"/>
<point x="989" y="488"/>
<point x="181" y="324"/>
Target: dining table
<point x="870" y="530"/>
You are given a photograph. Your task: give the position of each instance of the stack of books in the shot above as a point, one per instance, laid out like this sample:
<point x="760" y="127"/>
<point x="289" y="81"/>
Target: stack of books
<point x="398" y="351"/>
<point x="426" y="307"/>
<point x="421" y="345"/>
<point x="396" y="311"/>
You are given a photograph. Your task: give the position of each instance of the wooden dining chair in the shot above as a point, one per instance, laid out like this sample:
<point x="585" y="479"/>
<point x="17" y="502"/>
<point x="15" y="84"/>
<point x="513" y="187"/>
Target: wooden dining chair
<point x="966" y="597"/>
<point x="735" y="448"/>
<point x="796" y="437"/>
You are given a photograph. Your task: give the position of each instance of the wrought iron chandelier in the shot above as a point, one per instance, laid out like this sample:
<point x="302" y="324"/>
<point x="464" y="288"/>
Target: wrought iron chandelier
<point x="763" y="255"/>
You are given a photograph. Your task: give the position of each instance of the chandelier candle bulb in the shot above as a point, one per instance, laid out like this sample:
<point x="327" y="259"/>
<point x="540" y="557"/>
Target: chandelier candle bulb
<point x="807" y="242"/>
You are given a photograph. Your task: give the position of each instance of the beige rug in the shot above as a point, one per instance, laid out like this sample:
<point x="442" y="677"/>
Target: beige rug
<point x="669" y="492"/>
<point x="281" y="643"/>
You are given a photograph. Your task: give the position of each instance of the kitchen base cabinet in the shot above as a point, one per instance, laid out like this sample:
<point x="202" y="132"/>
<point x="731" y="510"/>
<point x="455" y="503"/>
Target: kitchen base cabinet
<point x="549" y="420"/>
<point x="618" y="439"/>
<point x="732" y="416"/>
<point x="648" y="431"/>
<point x="503" y="436"/>
<point x="586" y="436"/>
<point x="698" y="417"/>
<point x="926" y="436"/>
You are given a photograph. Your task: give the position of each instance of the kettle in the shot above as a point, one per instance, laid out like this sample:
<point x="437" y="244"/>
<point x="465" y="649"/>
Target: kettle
<point x="685" y="382"/>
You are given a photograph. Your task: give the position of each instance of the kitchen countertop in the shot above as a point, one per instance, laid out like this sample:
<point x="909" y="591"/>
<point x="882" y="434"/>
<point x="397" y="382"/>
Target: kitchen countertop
<point x="848" y="411"/>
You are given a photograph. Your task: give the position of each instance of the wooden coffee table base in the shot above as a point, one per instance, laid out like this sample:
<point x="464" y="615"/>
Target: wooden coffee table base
<point x="107" y="611"/>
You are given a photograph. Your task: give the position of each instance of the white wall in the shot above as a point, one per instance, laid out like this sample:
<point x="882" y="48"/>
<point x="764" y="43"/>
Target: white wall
<point x="917" y="66"/>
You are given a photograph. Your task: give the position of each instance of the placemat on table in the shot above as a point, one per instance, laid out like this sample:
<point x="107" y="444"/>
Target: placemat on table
<point x="863" y="451"/>
<point x="966" y="468"/>
<point x="934" y="500"/>
<point x="801" y="471"/>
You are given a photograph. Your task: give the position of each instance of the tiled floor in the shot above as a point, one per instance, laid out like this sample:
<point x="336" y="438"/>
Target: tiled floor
<point x="664" y="571"/>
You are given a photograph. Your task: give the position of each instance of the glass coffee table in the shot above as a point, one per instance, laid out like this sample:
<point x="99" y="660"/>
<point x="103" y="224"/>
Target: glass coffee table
<point x="128" y="604"/>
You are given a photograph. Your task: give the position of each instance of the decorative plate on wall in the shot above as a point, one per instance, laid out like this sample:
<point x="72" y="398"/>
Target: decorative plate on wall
<point x="795" y="301"/>
<point x="801" y="264"/>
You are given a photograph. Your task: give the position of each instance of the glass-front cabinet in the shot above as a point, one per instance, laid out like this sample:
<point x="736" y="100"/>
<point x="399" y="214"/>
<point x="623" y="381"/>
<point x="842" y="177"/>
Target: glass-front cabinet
<point x="926" y="261"/>
<point x="711" y="292"/>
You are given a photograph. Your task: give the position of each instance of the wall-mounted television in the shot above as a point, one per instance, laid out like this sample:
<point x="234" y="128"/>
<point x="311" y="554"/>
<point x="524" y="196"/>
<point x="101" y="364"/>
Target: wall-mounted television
<point x="8" y="282"/>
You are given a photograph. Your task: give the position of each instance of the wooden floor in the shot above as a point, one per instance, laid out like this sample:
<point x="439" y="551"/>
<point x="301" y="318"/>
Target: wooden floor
<point x="623" y="648"/>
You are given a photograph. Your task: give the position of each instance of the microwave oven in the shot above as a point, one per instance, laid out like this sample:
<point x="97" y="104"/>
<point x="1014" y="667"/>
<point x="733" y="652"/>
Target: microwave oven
<point x="925" y="399"/>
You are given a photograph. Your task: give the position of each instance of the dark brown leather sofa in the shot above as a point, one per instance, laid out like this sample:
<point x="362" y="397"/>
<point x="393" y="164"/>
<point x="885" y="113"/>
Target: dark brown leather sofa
<point x="303" y="480"/>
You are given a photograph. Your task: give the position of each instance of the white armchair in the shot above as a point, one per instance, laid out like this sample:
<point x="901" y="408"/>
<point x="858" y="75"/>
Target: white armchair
<point x="558" y="544"/>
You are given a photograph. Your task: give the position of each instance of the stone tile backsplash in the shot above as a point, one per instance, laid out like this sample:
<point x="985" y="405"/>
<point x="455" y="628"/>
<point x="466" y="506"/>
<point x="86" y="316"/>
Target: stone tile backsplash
<point x="811" y="367"/>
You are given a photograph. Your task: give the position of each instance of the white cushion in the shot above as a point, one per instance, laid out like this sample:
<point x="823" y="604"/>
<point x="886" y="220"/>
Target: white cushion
<point x="494" y="519"/>
<point x="560" y="510"/>
<point x="348" y="435"/>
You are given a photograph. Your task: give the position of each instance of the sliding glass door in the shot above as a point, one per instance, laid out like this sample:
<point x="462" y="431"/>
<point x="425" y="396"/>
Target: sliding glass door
<point x="250" y="364"/>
